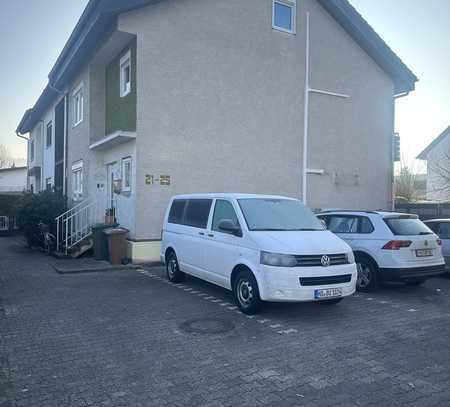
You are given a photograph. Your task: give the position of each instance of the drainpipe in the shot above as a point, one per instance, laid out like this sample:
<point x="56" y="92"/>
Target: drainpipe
<point x="398" y="96"/>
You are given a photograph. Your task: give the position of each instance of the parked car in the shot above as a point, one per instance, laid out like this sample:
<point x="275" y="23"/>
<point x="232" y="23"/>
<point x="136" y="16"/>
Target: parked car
<point x="263" y="248"/>
<point x="442" y="228"/>
<point x="388" y="246"/>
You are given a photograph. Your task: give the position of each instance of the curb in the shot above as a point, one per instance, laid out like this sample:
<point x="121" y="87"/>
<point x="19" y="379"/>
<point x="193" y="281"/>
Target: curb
<point x="105" y="268"/>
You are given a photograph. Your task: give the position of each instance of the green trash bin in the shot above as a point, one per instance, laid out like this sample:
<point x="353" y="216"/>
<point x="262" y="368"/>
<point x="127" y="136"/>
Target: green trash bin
<point x="100" y="241"/>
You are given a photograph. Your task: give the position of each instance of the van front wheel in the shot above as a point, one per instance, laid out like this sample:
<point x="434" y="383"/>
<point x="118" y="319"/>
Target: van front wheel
<point x="174" y="274"/>
<point x="246" y="293"/>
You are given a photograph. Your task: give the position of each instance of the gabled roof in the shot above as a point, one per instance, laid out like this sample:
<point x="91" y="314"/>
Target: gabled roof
<point x="366" y="37"/>
<point x="99" y="17"/>
<point x="424" y="154"/>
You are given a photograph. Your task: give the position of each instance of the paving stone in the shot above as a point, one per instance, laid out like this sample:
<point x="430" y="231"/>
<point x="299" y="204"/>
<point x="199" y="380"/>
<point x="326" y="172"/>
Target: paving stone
<point x="117" y="339"/>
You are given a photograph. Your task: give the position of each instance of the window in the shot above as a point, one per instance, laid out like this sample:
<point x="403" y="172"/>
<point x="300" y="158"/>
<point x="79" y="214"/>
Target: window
<point x="365" y="225"/>
<point x="284" y="15"/>
<point x="197" y="213"/>
<point x="343" y="224"/>
<point x="407" y="226"/>
<point x="49" y="135"/>
<point x="48" y="184"/>
<point x="77" y="181"/>
<point x="78" y="105"/>
<point x="267" y="214"/>
<point x="177" y="211"/>
<point x="444" y="230"/>
<point x="223" y="210"/>
<point x="125" y="74"/>
<point x="31" y="150"/>
<point x="126" y="174"/>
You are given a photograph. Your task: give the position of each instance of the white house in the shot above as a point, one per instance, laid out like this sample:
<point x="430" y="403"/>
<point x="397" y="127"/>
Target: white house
<point x="437" y="156"/>
<point x="13" y="180"/>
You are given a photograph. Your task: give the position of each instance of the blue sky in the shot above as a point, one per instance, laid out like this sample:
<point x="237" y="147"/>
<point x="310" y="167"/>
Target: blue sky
<point x="32" y="34"/>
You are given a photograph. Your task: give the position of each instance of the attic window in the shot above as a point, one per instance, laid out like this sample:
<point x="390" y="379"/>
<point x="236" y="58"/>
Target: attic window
<point x="284" y="15"/>
<point x="125" y="74"/>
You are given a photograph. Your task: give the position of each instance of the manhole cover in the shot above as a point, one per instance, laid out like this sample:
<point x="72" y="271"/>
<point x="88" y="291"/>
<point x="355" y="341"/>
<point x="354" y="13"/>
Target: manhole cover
<point x="207" y="326"/>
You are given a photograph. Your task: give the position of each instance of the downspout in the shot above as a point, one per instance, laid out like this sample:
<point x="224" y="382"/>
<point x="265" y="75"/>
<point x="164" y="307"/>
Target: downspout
<point x="43" y="141"/>
<point x="398" y="96"/>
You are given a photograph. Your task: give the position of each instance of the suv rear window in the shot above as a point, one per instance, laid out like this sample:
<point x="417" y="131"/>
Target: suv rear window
<point x="197" y="213"/>
<point x="176" y="211"/>
<point x="407" y="226"/>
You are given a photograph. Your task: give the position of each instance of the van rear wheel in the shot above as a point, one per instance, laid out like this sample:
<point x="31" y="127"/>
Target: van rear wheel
<point x="246" y="292"/>
<point x="174" y="274"/>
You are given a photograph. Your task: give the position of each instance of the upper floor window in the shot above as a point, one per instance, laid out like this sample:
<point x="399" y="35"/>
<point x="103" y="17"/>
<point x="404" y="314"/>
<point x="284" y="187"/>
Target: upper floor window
<point x="31" y="150"/>
<point x="125" y="74"/>
<point x="49" y="135"/>
<point x="283" y="15"/>
<point x="126" y="174"/>
<point x="78" y="105"/>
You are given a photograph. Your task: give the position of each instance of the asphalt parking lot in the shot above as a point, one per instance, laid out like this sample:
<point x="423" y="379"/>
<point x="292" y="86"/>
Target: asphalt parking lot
<point x="130" y="338"/>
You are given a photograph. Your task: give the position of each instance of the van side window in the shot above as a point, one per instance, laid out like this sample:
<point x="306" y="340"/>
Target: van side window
<point x="223" y="210"/>
<point x="197" y="213"/>
<point x="176" y="211"/>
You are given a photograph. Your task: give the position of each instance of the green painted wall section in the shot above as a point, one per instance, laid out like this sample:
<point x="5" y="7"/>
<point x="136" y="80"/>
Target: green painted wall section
<point x="120" y="112"/>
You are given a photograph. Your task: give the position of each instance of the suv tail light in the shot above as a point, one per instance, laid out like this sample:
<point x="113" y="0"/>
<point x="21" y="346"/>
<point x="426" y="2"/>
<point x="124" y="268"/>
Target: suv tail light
<point x="439" y="242"/>
<point x="397" y="244"/>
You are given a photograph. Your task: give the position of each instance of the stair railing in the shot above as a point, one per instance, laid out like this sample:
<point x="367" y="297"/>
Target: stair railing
<point x="75" y="225"/>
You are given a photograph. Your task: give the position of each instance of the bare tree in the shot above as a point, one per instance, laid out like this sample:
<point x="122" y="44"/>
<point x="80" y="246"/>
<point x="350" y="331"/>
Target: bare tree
<point x="6" y="160"/>
<point x="441" y="174"/>
<point x="405" y="184"/>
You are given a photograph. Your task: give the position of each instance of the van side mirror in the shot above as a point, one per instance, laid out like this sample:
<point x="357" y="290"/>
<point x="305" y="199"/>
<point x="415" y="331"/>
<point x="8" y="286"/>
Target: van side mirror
<point x="228" y="226"/>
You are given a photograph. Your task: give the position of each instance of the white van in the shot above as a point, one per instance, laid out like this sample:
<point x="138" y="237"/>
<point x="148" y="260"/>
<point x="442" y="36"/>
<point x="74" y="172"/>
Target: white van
<point x="261" y="247"/>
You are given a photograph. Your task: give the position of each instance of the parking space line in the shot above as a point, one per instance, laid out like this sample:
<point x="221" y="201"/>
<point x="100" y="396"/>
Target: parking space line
<point x="224" y="304"/>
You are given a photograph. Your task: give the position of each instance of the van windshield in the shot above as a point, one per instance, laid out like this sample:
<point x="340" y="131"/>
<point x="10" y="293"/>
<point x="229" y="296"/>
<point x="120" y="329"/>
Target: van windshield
<point x="266" y="214"/>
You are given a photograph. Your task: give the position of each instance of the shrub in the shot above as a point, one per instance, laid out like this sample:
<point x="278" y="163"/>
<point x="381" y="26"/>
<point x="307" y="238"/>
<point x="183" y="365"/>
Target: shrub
<point x="35" y="208"/>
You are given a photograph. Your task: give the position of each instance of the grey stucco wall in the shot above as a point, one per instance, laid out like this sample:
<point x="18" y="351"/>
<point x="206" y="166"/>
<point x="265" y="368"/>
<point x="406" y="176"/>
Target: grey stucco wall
<point x="220" y="107"/>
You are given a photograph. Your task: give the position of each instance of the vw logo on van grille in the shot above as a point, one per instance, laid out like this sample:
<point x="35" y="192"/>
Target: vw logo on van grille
<point x="325" y="260"/>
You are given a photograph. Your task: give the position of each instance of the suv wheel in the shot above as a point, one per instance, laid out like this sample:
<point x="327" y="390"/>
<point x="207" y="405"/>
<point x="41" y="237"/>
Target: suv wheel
<point x="246" y="293"/>
<point x="367" y="274"/>
<point x="174" y="274"/>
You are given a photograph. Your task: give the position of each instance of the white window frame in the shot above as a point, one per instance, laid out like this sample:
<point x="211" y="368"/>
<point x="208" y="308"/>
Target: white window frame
<point x="288" y="3"/>
<point x="77" y="181"/>
<point x="125" y="161"/>
<point x="78" y="104"/>
<point x="50" y="123"/>
<point x="125" y="62"/>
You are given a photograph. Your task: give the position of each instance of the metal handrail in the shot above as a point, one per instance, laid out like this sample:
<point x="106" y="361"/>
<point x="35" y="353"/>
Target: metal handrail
<point x="75" y="224"/>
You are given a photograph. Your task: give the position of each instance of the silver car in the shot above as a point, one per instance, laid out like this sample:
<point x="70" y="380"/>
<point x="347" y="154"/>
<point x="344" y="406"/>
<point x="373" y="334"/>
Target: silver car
<point x="442" y="228"/>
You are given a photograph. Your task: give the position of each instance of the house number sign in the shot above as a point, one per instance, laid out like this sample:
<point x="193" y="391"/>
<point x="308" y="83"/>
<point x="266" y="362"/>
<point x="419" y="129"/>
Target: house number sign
<point x="162" y="180"/>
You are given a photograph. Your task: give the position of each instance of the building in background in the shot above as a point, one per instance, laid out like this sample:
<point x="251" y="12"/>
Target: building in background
<point x="13" y="180"/>
<point x="149" y="99"/>
<point x="437" y="156"/>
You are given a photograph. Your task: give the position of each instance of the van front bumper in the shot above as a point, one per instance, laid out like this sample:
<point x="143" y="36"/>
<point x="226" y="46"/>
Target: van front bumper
<point x="411" y="273"/>
<point x="284" y="284"/>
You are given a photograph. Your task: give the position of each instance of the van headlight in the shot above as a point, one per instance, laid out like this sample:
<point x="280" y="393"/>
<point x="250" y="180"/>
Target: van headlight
<point x="350" y="257"/>
<point x="278" y="260"/>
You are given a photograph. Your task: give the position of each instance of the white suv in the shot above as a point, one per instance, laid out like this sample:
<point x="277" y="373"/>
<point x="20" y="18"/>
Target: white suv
<point x="388" y="246"/>
<point x="261" y="247"/>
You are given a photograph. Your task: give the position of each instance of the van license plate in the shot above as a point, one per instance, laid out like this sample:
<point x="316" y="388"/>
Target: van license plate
<point x="327" y="293"/>
<point x="424" y="253"/>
